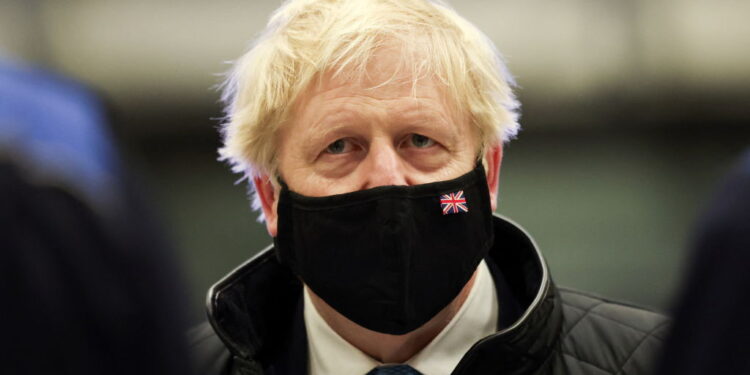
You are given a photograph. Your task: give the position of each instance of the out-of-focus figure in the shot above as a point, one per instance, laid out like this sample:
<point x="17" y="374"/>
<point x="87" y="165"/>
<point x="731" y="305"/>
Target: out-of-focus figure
<point x="710" y="334"/>
<point x="88" y="285"/>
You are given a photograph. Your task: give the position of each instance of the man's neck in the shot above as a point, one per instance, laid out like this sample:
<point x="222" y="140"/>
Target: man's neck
<point x="390" y="348"/>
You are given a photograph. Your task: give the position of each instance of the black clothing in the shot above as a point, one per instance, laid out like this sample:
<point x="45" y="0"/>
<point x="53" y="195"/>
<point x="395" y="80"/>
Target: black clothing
<point x="258" y="327"/>
<point x="710" y="328"/>
<point x="77" y="297"/>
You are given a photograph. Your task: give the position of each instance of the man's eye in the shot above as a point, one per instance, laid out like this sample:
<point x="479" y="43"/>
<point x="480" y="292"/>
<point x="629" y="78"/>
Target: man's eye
<point x="420" y="141"/>
<point x="338" y="147"/>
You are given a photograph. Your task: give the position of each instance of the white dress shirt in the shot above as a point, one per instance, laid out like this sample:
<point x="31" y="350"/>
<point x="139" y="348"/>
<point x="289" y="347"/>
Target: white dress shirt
<point x="330" y="354"/>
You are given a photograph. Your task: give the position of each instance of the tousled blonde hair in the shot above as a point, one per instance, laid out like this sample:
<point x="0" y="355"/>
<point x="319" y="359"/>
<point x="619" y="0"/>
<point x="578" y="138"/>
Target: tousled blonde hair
<point x="306" y="38"/>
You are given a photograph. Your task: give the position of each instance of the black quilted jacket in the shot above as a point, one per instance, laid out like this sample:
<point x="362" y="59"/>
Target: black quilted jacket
<point x="256" y="324"/>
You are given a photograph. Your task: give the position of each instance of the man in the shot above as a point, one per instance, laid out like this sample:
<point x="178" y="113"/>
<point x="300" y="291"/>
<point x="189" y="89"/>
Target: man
<point x="372" y="132"/>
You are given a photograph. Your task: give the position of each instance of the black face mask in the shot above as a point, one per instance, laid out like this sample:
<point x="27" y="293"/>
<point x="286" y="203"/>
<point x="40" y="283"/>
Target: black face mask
<point x="391" y="257"/>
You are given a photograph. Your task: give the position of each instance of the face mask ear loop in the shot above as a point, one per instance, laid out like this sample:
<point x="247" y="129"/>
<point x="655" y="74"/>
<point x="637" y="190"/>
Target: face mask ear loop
<point x="276" y="179"/>
<point x="480" y="161"/>
<point x="280" y="181"/>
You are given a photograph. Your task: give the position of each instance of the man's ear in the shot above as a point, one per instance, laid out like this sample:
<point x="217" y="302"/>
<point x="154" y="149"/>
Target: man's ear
<point x="269" y="198"/>
<point x="493" y="159"/>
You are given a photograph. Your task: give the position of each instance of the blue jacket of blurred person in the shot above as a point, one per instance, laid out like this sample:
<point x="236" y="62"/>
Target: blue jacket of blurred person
<point x="55" y="129"/>
<point x="87" y="282"/>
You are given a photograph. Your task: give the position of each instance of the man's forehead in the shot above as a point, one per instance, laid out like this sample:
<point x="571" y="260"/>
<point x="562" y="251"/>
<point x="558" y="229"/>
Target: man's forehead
<point x="404" y="99"/>
<point x="407" y="95"/>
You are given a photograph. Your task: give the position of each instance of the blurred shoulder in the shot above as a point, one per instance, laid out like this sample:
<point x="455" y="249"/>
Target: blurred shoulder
<point x="611" y="336"/>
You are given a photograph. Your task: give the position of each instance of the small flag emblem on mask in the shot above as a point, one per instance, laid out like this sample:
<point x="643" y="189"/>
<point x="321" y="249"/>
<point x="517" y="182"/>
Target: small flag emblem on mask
<point x="453" y="203"/>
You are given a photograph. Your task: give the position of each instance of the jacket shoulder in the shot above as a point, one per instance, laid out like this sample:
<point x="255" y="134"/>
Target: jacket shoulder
<point x="210" y="356"/>
<point x="607" y="337"/>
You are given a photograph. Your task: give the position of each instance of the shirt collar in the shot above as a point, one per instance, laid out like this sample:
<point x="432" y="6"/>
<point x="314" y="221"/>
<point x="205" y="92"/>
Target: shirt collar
<point x="476" y="319"/>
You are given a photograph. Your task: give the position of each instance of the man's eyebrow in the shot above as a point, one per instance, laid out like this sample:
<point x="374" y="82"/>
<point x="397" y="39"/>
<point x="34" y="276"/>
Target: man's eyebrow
<point x="330" y="120"/>
<point x="427" y="114"/>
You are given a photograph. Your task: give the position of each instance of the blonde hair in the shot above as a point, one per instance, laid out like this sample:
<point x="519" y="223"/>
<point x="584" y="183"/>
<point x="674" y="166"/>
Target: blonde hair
<point x="306" y="38"/>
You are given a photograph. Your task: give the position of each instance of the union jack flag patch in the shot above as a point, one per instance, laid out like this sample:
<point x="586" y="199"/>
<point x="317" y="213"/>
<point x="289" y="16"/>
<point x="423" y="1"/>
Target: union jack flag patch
<point x="453" y="203"/>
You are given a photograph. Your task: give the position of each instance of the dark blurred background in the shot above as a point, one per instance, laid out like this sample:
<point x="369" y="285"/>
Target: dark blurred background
<point x="631" y="112"/>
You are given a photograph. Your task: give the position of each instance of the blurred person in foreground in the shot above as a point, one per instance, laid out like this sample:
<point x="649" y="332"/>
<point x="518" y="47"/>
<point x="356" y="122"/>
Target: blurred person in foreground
<point x="711" y="333"/>
<point x="87" y="283"/>
<point x="373" y="133"/>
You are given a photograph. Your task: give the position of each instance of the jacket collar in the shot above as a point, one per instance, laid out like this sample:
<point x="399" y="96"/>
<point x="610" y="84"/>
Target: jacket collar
<point x="526" y="344"/>
<point x="251" y="309"/>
